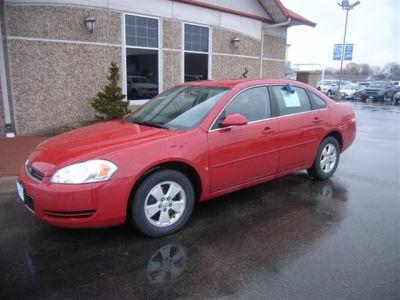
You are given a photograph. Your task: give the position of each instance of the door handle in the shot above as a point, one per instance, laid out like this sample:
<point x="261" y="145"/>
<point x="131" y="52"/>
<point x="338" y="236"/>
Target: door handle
<point x="267" y="130"/>
<point x="317" y="120"/>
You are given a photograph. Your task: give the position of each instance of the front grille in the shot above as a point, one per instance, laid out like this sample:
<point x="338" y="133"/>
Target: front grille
<point x="35" y="173"/>
<point x="371" y="92"/>
<point x="28" y="200"/>
<point x="71" y="214"/>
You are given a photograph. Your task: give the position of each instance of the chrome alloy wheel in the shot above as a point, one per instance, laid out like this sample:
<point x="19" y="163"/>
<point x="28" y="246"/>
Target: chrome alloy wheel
<point x="328" y="158"/>
<point x="165" y="204"/>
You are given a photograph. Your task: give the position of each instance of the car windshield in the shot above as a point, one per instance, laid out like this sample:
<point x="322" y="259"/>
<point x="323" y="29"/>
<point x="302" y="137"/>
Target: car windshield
<point x="181" y="107"/>
<point x="378" y="84"/>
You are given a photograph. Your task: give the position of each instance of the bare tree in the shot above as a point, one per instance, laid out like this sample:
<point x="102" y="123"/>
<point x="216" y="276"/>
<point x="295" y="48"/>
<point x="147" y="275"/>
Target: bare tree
<point x="365" y="69"/>
<point x="352" y="69"/>
<point x="392" y="71"/>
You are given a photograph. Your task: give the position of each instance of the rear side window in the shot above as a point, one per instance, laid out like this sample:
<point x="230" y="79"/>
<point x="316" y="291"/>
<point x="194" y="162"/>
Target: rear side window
<point x="317" y="102"/>
<point x="291" y="100"/>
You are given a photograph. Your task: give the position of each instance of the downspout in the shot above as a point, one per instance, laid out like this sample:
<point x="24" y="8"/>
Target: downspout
<point x="262" y="39"/>
<point x="4" y="88"/>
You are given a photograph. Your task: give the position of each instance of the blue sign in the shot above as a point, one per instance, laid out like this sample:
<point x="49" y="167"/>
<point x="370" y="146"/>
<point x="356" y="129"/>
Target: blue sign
<point x="348" y="52"/>
<point x="337" y="52"/>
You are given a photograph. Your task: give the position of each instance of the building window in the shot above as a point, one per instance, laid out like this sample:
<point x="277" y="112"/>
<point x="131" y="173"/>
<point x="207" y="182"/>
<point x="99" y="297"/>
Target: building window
<point x="196" y="52"/>
<point x="141" y="40"/>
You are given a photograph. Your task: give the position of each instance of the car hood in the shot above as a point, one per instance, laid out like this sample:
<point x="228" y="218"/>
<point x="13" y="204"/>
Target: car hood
<point x="92" y="141"/>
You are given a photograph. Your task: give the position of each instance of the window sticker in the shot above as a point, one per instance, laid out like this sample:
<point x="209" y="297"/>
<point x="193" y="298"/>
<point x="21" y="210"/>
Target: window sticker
<point x="291" y="99"/>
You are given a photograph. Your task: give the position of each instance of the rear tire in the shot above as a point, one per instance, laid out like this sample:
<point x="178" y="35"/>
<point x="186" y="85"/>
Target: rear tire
<point x="326" y="160"/>
<point x="163" y="203"/>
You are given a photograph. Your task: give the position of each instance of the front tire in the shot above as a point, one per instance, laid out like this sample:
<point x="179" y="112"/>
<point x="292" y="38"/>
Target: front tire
<point x="163" y="203"/>
<point x="326" y="160"/>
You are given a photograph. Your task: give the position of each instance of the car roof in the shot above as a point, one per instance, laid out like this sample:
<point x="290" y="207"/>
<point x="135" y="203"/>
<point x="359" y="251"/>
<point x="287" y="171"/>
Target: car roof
<point x="242" y="83"/>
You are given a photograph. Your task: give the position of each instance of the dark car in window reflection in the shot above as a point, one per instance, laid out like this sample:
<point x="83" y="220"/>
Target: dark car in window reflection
<point x="140" y="87"/>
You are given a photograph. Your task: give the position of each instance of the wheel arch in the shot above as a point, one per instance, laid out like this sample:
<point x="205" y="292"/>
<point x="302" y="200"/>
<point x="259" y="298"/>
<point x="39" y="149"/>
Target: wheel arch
<point x="337" y="135"/>
<point x="177" y="165"/>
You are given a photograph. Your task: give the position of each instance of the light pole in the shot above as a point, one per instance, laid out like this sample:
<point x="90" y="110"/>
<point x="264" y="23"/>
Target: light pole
<point x="345" y="5"/>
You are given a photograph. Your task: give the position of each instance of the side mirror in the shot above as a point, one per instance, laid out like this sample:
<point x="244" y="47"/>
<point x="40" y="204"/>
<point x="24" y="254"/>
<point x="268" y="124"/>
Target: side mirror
<point x="234" y="120"/>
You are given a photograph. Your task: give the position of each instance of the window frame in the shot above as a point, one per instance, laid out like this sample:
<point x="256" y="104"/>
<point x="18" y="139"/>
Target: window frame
<point x="123" y="52"/>
<point x="271" y="104"/>
<point x="209" y="53"/>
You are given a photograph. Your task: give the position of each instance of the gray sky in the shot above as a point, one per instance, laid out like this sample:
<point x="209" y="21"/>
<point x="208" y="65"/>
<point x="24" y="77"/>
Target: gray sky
<point x="373" y="27"/>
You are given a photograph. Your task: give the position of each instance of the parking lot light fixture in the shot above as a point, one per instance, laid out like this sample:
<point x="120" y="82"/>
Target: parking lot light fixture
<point x="345" y="5"/>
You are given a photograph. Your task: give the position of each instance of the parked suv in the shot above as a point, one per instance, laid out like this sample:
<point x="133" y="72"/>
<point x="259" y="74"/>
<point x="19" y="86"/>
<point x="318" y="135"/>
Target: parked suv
<point x="378" y="91"/>
<point x="328" y="87"/>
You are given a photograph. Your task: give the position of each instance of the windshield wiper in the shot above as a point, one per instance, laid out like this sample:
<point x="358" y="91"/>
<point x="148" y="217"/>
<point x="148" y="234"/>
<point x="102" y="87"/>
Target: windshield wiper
<point x="158" y="125"/>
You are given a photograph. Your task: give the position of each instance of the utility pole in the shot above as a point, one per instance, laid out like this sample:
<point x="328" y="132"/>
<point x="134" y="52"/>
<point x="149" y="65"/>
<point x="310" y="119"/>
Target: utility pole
<point x="345" y="5"/>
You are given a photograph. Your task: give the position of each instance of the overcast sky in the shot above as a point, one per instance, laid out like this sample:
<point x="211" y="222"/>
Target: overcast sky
<point x="373" y="27"/>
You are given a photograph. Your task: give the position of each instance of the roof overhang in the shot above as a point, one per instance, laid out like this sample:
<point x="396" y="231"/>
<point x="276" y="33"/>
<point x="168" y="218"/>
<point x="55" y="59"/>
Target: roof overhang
<point x="276" y="12"/>
<point x="279" y="13"/>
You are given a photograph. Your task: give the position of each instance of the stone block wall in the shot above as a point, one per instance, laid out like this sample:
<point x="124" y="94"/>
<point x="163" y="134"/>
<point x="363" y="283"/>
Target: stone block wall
<point x="56" y="64"/>
<point x="229" y="62"/>
<point x="172" y="44"/>
<point x="230" y="67"/>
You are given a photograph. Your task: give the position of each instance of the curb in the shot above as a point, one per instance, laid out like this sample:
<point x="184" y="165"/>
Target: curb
<point x="7" y="184"/>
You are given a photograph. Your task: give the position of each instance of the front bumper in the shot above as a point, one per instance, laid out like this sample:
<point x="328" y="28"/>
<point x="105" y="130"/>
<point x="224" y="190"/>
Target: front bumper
<point x="99" y="204"/>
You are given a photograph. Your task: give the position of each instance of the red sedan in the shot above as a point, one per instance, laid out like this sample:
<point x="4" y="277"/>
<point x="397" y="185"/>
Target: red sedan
<point x="191" y="143"/>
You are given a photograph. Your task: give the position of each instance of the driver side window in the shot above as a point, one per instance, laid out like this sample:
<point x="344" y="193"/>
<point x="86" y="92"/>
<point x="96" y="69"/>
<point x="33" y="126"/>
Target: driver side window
<point x="254" y="104"/>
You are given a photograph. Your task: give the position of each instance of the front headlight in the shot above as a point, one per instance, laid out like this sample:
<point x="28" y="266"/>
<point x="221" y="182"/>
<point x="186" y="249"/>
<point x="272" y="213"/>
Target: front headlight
<point x="86" y="172"/>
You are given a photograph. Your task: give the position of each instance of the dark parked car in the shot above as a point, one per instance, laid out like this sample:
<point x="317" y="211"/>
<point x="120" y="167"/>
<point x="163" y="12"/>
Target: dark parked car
<point x="378" y="91"/>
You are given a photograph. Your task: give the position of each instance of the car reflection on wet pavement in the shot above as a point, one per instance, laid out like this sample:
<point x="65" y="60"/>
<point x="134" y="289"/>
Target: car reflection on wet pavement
<point x="287" y="238"/>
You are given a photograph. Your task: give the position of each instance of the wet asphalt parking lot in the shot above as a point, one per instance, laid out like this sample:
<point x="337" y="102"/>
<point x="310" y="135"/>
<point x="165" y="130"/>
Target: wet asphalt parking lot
<point x="291" y="238"/>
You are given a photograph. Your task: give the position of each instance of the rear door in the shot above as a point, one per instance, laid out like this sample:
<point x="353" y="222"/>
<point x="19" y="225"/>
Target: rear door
<point x="300" y="127"/>
<point x="243" y="153"/>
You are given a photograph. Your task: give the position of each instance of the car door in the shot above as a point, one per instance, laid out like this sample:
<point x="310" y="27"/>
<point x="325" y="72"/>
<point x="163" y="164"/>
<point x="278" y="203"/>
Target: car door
<point x="243" y="153"/>
<point x="299" y="127"/>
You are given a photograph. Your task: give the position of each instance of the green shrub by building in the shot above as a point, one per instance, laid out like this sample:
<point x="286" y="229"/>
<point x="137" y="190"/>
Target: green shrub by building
<point x="109" y="102"/>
